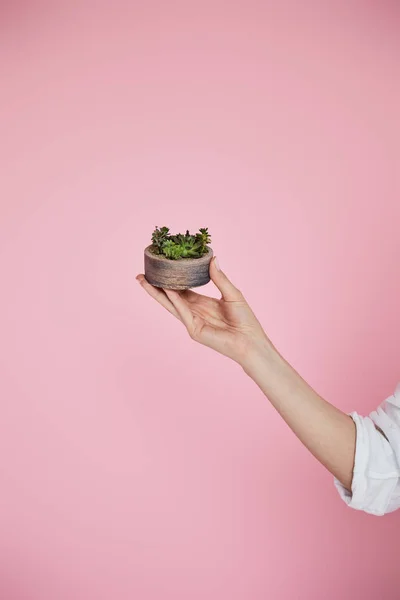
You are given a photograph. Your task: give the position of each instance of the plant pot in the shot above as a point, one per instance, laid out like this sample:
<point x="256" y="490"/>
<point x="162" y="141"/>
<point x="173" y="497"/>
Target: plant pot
<point x="180" y="274"/>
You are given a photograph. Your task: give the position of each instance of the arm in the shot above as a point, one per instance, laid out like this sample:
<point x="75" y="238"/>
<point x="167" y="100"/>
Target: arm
<point x="362" y="453"/>
<point x="327" y="432"/>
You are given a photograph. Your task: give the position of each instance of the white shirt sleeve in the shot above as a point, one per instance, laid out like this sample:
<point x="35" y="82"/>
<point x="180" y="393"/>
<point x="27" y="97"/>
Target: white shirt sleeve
<point x="375" y="487"/>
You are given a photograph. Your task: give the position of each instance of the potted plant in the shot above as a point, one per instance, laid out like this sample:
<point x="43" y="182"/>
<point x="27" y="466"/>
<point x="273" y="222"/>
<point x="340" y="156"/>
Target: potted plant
<point x="178" y="262"/>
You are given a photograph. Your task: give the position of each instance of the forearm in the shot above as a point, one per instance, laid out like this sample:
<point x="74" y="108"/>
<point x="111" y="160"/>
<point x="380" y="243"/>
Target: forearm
<point x="327" y="432"/>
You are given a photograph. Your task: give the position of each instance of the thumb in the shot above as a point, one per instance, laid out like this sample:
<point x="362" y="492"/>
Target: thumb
<point x="228" y="290"/>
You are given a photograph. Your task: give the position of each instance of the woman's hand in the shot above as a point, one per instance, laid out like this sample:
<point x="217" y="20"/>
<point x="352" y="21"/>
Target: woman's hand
<point x="227" y="325"/>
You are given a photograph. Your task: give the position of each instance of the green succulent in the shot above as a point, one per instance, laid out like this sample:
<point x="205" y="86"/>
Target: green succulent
<point x="180" y="245"/>
<point x="158" y="239"/>
<point x="172" y="250"/>
<point x="203" y="236"/>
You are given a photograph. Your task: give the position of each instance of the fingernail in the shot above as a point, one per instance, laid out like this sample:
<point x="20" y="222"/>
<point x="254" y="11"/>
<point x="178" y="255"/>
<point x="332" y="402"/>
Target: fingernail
<point x="217" y="264"/>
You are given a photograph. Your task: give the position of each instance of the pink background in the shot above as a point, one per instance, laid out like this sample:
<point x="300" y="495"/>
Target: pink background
<point x="135" y="464"/>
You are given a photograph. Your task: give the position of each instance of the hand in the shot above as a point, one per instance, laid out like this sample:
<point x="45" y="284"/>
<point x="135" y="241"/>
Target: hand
<point x="227" y="325"/>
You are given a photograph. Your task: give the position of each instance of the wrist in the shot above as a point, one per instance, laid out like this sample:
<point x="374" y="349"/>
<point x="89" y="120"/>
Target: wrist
<point x="261" y="357"/>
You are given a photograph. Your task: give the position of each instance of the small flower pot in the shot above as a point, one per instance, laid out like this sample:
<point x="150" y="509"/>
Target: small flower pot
<point x="179" y="274"/>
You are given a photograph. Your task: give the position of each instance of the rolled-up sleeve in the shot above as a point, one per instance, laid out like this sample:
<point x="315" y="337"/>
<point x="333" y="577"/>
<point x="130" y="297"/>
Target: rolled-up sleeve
<point x="375" y="486"/>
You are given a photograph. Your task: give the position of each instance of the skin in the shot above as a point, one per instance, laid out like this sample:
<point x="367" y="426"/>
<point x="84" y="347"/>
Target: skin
<point x="229" y="326"/>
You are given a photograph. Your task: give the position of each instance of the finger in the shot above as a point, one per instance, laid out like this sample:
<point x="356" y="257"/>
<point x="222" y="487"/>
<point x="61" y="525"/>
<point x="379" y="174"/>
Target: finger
<point x="182" y="308"/>
<point x="158" y="294"/>
<point x="228" y="290"/>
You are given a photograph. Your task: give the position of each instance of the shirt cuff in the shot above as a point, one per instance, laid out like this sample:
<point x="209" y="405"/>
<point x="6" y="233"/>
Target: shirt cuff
<point x="371" y="490"/>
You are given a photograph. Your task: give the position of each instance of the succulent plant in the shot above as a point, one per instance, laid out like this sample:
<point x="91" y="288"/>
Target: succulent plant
<point x="203" y="236"/>
<point x="172" y="250"/>
<point x="158" y="239"/>
<point x="180" y="245"/>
